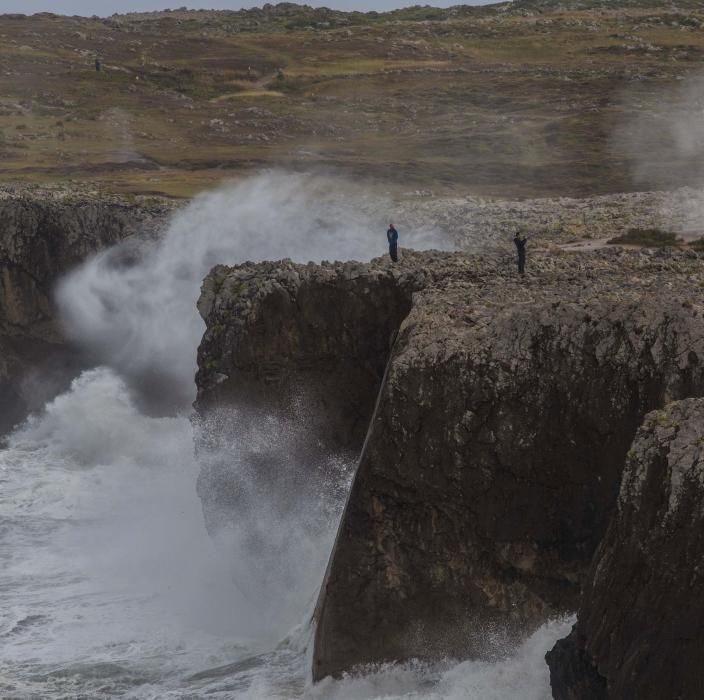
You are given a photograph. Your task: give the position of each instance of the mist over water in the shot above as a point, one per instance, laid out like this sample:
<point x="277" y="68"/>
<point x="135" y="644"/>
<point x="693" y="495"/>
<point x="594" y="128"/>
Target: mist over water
<point x="111" y="585"/>
<point x="112" y="578"/>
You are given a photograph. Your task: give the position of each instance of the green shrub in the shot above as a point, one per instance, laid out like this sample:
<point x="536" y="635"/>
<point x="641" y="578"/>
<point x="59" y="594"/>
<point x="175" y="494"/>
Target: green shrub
<point x="648" y="237"/>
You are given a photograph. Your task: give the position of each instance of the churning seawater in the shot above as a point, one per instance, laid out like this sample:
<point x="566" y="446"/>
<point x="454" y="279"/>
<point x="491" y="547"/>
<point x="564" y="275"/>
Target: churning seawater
<point x="109" y="584"/>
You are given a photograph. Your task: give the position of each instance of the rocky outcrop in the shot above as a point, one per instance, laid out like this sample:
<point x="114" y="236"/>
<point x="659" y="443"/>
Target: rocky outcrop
<point x="275" y="330"/>
<point x="43" y="234"/>
<point x="494" y="451"/>
<point x="302" y="346"/>
<point x="493" y="462"/>
<point x="638" y="632"/>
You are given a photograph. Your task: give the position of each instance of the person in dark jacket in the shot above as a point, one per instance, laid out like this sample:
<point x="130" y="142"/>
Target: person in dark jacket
<point x="521" y="250"/>
<point x="392" y="236"/>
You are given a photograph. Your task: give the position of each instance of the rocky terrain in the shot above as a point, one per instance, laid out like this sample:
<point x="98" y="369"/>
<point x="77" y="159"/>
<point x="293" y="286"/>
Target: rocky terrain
<point x="44" y="232"/>
<point x="481" y="495"/>
<point x="514" y="99"/>
<point x="481" y="223"/>
<point x="638" y="633"/>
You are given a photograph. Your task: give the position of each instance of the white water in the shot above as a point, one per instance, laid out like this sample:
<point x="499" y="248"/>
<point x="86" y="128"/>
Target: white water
<point x="109" y="584"/>
<point x="142" y="318"/>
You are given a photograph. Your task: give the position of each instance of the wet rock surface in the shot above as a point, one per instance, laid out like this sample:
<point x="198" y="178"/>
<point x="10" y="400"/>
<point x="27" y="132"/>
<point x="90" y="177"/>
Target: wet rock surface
<point x="638" y="633"/>
<point x="494" y="453"/>
<point x="44" y="233"/>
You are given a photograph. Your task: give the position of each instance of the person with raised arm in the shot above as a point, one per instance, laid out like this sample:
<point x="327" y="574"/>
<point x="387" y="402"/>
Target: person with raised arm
<point x="521" y="250"/>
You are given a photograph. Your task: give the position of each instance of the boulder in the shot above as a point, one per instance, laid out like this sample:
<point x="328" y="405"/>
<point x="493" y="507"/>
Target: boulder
<point x="639" y="629"/>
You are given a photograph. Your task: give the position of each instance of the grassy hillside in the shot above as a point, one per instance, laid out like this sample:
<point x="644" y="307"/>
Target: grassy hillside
<point x="516" y="99"/>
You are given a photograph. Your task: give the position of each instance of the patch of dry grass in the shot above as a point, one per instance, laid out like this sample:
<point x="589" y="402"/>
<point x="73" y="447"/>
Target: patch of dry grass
<point x="504" y="102"/>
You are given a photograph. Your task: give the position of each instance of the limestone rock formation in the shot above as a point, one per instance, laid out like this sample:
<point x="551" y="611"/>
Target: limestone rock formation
<point x="43" y="234"/>
<point x="639" y="628"/>
<point x="286" y="340"/>
<point x="504" y="411"/>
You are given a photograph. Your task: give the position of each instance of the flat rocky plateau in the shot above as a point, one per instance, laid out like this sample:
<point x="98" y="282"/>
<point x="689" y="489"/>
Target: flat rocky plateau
<point x="525" y="98"/>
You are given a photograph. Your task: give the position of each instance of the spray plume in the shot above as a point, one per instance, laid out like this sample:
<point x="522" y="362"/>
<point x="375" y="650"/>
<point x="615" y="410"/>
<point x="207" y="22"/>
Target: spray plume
<point x="136" y="308"/>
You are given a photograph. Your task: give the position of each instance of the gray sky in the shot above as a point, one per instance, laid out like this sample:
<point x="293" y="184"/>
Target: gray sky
<point x="108" y="7"/>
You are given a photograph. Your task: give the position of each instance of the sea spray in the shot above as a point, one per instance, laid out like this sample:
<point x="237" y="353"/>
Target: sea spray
<point x="663" y="146"/>
<point x="521" y="676"/>
<point x="134" y="305"/>
<point x="113" y="586"/>
<point x="113" y="577"/>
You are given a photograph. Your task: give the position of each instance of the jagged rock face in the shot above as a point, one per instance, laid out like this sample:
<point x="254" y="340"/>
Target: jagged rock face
<point x="638" y="632"/>
<point x="41" y="238"/>
<point x="493" y="462"/>
<point x="493" y="458"/>
<point x="277" y="330"/>
<point x="304" y="345"/>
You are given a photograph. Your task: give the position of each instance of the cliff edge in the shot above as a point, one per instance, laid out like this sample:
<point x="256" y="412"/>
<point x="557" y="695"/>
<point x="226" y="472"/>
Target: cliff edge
<point x="499" y="410"/>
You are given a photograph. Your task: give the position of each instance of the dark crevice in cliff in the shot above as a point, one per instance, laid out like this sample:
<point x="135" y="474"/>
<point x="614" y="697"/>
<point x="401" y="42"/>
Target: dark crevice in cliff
<point x="638" y="628"/>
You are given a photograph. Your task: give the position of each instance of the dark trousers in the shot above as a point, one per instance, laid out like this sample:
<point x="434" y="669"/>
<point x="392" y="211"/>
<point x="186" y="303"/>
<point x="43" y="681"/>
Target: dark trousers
<point x="393" y="251"/>
<point x="521" y="263"/>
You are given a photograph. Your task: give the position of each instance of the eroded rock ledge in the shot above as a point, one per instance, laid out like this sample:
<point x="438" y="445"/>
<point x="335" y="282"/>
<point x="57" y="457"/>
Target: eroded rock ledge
<point x="43" y="234"/>
<point x="493" y="457"/>
<point x="639" y="628"/>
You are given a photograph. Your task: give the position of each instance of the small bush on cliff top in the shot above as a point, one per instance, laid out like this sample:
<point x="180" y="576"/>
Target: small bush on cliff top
<point x="650" y="237"/>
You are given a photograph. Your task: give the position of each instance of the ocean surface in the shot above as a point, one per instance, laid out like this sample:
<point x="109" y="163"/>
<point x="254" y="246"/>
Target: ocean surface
<point x="110" y="585"/>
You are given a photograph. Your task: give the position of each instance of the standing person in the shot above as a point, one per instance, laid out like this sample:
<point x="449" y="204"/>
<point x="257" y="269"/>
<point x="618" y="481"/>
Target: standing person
<point x="392" y="237"/>
<point x="521" y="250"/>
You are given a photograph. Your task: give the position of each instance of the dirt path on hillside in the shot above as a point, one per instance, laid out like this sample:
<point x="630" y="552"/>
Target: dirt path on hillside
<point x="589" y="244"/>
<point x="266" y="80"/>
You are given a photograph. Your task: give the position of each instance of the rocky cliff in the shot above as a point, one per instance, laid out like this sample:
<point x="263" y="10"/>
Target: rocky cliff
<point x="43" y="234"/>
<point x="504" y="410"/>
<point x="638" y="633"/>
<point x="304" y="346"/>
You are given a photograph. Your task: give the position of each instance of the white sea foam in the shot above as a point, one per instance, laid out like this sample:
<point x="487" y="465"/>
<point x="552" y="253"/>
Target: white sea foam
<point x="108" y="571"/>
<point x="111" y="585"/>
<point x="522" y="675"/>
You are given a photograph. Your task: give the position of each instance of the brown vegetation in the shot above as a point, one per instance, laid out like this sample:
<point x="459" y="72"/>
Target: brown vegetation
<point x="517" y="98"/>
